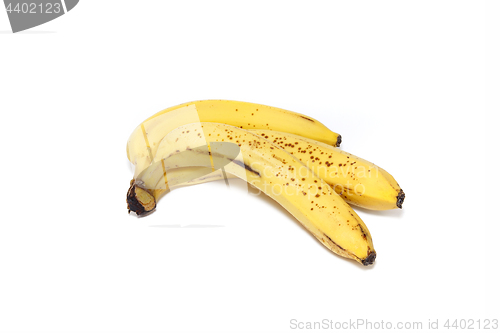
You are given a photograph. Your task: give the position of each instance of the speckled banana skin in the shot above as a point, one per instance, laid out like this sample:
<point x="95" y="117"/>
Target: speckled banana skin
<point x="359" y="182"/>
<point x="272" y="170"/>
<point x="144" y="141"/>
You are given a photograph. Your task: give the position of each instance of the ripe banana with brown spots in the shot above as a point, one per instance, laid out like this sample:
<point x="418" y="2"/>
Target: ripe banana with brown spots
<point x="143" y="143"/>
<point x="359" y="182"/>
<point x="266" y="166"/>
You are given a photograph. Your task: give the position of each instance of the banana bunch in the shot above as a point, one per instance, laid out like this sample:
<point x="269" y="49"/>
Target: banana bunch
<point x="290" y="157"/>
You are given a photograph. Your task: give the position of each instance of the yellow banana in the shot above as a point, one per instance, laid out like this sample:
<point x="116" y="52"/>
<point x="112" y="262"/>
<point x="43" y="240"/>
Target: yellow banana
<point x="143" y="143"/>
<point x="269" y="168"/>
<point x="358" y="181"/>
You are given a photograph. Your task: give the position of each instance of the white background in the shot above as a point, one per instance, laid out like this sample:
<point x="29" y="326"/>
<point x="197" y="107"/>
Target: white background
<point x="402" y="81"/>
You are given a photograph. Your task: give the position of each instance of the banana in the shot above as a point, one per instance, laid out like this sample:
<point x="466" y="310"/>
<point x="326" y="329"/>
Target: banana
<point x="143" y="143"/>
<point x="359" y="182"/>
<point x="267" y="167"/>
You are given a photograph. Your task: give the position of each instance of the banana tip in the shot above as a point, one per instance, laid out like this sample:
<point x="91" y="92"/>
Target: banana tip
<point x="339" y="140"/>
<point x="400" y="199"/>
<point x="370" y="259"/>
<point x="139" y="200"/>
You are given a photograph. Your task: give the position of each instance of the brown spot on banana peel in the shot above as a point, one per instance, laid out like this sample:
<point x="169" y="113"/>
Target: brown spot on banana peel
<point x="400" y="199"/>
<point x="307" y="119"/>
<point x="139" y="200"/>
<point x="363" y="233"/>
<point x="246" y="166"/>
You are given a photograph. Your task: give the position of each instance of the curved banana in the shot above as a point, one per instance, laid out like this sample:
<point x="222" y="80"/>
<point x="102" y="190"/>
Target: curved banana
<point x="269" y="168"/>
<point x="358" y="181"/>
<point x="143" y="143"/>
